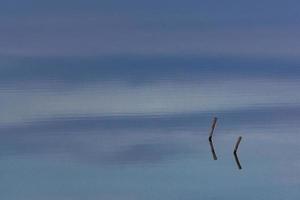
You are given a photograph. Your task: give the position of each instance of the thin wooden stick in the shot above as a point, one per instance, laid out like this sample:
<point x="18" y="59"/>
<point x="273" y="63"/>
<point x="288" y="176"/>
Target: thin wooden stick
<point x="213" y="126"/>
<point x="237" y="144"/>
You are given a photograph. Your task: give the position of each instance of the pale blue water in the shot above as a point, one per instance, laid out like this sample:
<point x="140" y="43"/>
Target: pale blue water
<point x="137" y="128"/>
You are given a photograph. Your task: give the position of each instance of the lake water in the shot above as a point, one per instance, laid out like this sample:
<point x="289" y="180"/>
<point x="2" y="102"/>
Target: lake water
<point x="137" y="128"/>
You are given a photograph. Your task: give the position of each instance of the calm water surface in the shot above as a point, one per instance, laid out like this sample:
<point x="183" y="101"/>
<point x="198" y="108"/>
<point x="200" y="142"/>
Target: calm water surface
<point x="120" y="128"/>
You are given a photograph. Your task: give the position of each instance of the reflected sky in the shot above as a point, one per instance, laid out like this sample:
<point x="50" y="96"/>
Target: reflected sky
<point x="115" y="133"/>
<point x="161" y="97"/>
<point x="260" y="28"/>
<point x="114" y="100"/>
<point x="80" y="156"/>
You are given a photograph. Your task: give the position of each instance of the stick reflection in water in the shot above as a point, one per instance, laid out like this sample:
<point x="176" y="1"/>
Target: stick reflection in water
<point x="213" y="126"/>
<point x="235" y="153"/>
<point x="213" y="150"/>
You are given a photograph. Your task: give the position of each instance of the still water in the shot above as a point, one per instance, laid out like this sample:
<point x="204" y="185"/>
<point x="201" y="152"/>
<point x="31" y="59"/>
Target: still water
<point x="137" y="129"/>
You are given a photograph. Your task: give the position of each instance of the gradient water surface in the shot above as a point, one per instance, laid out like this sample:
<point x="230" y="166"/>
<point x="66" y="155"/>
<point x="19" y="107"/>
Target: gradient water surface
<point x="128" y="128"/>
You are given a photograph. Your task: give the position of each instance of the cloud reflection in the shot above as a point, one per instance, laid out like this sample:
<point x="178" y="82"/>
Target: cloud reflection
<point x="113" y="99"/>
